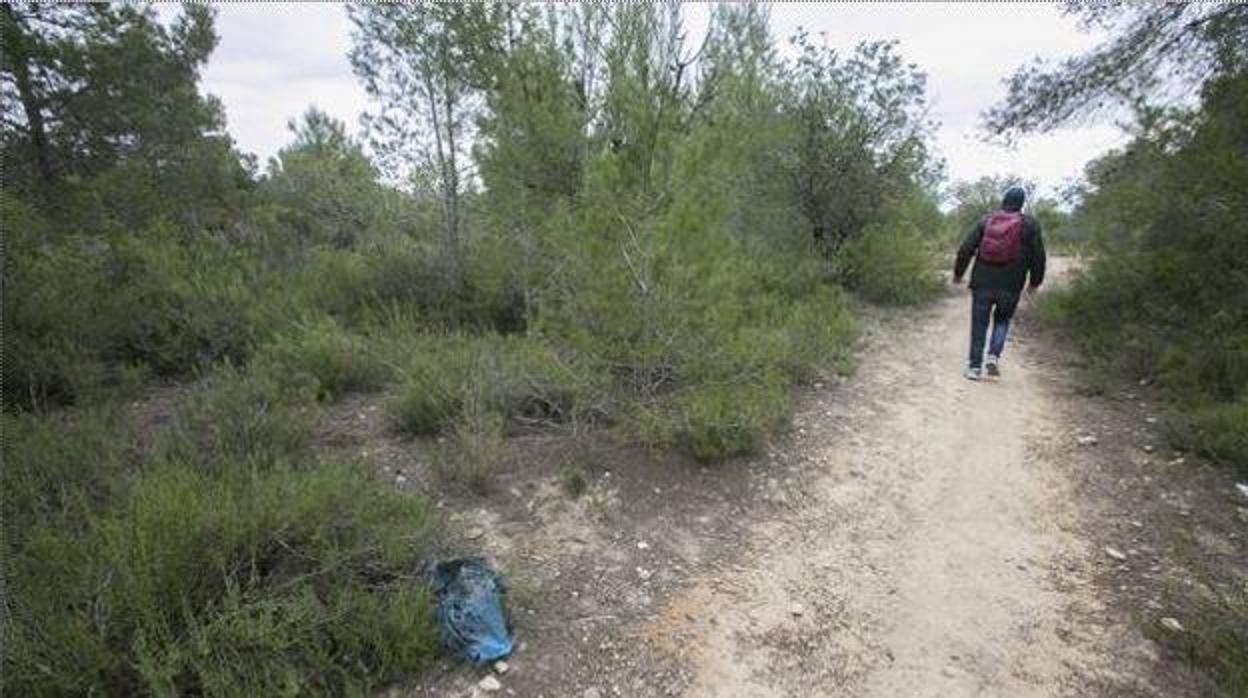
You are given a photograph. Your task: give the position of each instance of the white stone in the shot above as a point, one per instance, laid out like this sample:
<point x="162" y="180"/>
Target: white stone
<point x="489" y="683"/>
<point x="1115" y="553"/>
<point x="1172" y="624"/>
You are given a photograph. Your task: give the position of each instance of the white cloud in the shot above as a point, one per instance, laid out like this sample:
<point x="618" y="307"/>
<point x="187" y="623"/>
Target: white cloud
<point x="274" y="60"/>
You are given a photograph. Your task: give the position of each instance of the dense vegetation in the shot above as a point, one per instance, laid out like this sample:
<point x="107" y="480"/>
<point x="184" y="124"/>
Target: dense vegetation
<point x="566" y="217"/>
<point x="1165" y="299"/>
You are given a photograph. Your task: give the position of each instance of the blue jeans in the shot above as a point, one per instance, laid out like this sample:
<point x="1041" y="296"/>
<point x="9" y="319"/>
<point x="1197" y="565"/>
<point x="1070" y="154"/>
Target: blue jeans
<point x="997" y="304"/>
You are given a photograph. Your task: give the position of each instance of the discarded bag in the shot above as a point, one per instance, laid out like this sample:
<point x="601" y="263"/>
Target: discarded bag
<point x="470" y="609"/>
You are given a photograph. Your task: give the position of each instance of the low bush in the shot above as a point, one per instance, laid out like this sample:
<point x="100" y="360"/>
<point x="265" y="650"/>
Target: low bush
<point x="819" y="333"/>
<point x="518" y="377"/>
<point x="1219" y="432"/>
<point x="221" y="562"/>
<point x="477" y="446"/>
<point x="572" y="480"/>
<point x="889" y="265"/>
<point x="317" y="354"/>
<point x="61" y="469"/>
<point x="433" y="378"/>
<point x="360" y="286"/>
<point x="718" y="421"/>
<point x="84" y="314"/>
<point x="1215" y="636"/>
<point x="273" y="581"/>
<point x="236" y="415"/>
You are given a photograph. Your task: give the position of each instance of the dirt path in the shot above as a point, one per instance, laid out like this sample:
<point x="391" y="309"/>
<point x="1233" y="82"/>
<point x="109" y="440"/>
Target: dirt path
<point x="933" y="551"/>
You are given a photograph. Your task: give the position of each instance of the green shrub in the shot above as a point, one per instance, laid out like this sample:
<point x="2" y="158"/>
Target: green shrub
<point x="215" y="563"/>
<point x="1215" y="637"/>
<point x="518" y="377"/>
<point x="57" y="304"/>
<point x="1166" y="293"/>
<point x="275" y="581"/>
<point x="359" y="285"/>
<point x="196" y="298"/>
<point x="476" y="448"/>
<point x="531" y="383"/>
<point x="84" y="314"/>
<point x="433" y="378"/>
<point x="819" y="333"/>
<point x="239" y="416"/>
<point x="317" y="354"/>
<point x="1219" y="432"/>
<point x="572" y="481"/>
<point x="889" y="265"/>
<point x="718" y="421"/>
<point x="61" y="469"/>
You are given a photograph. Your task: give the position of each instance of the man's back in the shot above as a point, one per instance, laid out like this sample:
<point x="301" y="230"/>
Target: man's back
<point x="1010" y="276"/>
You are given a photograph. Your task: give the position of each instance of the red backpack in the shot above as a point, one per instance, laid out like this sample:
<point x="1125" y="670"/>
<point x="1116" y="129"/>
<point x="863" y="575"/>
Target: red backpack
<point x="1003" y="238"/>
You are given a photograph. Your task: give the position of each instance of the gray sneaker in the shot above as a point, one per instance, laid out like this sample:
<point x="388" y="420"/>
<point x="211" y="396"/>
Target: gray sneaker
<point x="973" y="373"/>
<point x="991" y="367"/>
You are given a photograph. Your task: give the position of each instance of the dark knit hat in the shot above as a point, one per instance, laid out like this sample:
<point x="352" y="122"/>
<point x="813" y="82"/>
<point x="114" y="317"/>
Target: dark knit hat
<point x="1013" y="199"/>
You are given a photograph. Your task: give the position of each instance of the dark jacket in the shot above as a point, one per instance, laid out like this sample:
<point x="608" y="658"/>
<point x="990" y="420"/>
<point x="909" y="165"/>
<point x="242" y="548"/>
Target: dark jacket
<point x="1012" y="276"/>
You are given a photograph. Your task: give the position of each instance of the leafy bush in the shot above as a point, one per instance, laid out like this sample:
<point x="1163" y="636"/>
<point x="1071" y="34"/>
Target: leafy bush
<point x="1219" y="432"/>
<point x="889" y="265"/>
<point x="476" y="448"/>
<point x="572" y="481"/>
<point x="520" y="378"/>
<point x="61" y="469"/>
<point x="1167" y="293"/>
<point x="317" y="354"/>
<point x="718" y="421"/>
<point x="219" y="562"/>
<point x="83" y="312"/>
<point x="235" y="415"/>
<point x="819" y="333"/>
<point x="253" y="582"/>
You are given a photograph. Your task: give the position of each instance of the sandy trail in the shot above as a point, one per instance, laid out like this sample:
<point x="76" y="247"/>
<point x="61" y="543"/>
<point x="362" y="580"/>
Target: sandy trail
<point x="932" y="551"/>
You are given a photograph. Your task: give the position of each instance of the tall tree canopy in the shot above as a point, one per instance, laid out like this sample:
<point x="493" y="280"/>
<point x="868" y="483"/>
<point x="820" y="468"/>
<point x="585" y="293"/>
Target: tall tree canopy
<point x="1156" y="51"/>
<point x="862" y="125"/>
<point x="86" y="88"/>
<point x="420" y="63"/>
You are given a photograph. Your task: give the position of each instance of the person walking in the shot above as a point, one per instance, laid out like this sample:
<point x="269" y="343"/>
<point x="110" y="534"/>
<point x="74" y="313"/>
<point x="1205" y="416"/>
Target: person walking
<point x="1009" y="254"/>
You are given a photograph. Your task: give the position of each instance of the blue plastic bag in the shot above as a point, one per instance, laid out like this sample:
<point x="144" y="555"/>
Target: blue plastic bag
<point x="470" y="609"/>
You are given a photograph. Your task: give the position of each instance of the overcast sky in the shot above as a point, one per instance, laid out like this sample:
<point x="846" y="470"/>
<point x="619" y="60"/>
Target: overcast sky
<point x="274" y="60"/>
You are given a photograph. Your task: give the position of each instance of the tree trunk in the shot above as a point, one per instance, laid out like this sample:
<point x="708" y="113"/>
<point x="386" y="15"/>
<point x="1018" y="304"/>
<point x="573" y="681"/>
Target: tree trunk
<point x="452" y="178"/>
<point x="19" y="54"/>
<point x="449" y="189"/>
